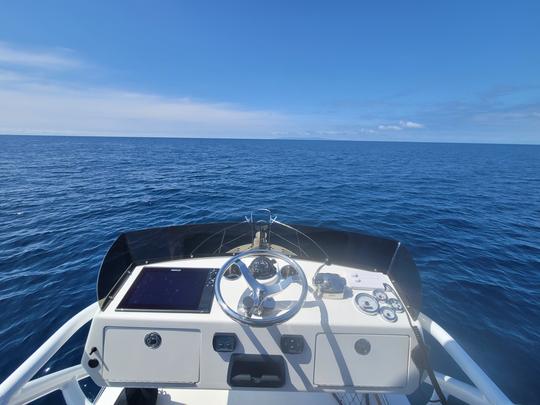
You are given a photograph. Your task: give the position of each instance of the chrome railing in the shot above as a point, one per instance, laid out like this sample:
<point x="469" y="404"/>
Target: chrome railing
<point x="18" y="389"/>
<point x="485" y="391"/>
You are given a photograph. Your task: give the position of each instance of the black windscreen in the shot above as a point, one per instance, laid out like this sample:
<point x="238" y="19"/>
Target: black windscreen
<point x="166" y="289"/>
<point x="344" y="248"/>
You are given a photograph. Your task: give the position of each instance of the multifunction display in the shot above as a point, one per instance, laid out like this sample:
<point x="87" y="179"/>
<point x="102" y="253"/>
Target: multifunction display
<point x="177" y="289"/>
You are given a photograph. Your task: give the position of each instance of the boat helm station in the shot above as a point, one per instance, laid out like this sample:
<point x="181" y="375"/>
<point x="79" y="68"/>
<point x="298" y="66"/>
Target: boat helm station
<point x="258" y="316"/>
<point x="253" y="307"/>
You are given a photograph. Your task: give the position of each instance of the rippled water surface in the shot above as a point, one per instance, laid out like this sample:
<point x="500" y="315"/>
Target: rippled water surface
<point x="469" y="213"/>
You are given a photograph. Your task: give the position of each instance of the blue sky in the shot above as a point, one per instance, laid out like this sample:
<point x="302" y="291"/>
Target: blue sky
<point x="458" y="71"/>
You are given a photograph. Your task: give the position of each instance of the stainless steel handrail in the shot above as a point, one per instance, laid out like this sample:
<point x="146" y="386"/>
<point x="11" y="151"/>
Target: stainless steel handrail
<point x="479" y="378"/>
<point x="14" y="384"/>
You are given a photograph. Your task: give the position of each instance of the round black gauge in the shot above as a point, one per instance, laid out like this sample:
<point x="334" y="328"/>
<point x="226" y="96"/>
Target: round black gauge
<point x="232" y="273"/>
<point x="263" y="268"/>
<point x="394" y="303"/>
<point x="367" y="303"/>
<point x="389" y="314"/>
<point x="288" y="271"/>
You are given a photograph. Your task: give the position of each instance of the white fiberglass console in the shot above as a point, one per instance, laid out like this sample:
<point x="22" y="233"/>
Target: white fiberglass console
<point x="251" y="323"/>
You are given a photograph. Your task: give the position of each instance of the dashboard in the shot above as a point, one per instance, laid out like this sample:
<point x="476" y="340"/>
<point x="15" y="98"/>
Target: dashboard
<point x="164" y="328"/>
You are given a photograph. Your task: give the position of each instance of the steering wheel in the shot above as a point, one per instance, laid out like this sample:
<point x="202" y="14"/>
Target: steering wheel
<point x="254" y="301"/>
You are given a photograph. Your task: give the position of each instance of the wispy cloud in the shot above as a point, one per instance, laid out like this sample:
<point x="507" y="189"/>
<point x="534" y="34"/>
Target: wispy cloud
<point x="389" y="127"/>
<point x="399" y="126"/>
<point x="7" y="76"/>
<point x="44" y="59"/>
<point x="37" y="98"/>
<point x="410" y="124"/>
<point x="30" y="107"/>
<point x="34" y="100"/>
<point x="510" y="110"/>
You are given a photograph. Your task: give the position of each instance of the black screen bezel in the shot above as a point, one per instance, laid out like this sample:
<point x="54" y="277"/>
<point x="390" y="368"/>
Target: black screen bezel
<point x="205" y="298"/>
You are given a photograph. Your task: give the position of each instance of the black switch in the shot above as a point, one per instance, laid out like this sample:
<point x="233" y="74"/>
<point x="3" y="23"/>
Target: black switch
<point x="224" y="342"/>
<point x="93" y="363"/>
<point x="292" y="344"/>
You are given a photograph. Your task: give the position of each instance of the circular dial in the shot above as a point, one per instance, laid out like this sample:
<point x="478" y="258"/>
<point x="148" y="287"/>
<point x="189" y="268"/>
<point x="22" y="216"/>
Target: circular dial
<point x="288" y="271"/>
<point x="394" y="303"/>
<point x="380" y="294"/>
<point x="389" y="314"/>
<point x="367" y="303"/>
<point x="263" y="268"/>
<point x="232" y="273"/>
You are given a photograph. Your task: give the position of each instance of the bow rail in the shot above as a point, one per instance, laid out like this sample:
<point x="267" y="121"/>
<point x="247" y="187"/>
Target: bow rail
<point x="485" y="391"/>
<point x="18" y="388"/>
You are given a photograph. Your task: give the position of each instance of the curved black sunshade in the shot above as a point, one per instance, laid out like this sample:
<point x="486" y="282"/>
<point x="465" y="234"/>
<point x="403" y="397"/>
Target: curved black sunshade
<point x="203" y="240"/>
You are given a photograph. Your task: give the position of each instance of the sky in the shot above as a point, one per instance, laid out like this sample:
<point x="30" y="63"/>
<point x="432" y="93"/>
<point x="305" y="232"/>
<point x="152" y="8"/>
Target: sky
<point x="436" y="71"/>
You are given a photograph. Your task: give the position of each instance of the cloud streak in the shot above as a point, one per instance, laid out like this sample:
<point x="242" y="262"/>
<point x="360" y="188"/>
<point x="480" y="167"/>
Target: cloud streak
<point x="33" y="101"/>
<point x="410" y="124"/>
<point x="35" y="98"/>
<point x="50" y="59"/>
<point x="28" y="106"/>
<point x="400" y="126"/>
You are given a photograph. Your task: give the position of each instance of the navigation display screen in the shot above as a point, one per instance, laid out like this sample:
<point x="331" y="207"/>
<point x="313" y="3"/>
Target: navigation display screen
<point x="170" y="289"/>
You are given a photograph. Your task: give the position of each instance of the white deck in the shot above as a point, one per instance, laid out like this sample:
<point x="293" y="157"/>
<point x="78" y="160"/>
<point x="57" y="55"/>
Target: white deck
<point x="236" y="397"/>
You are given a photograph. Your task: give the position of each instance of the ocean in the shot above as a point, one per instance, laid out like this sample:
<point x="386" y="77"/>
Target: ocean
<point x="469" y="213"/>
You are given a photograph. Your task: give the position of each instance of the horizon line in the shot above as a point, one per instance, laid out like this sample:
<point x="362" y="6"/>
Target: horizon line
<point x="316" y="139"/>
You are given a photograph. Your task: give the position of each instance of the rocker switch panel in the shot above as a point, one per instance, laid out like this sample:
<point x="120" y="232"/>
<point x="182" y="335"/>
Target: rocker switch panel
<point x="292" y="344"/>
<point x="224" y="342"/>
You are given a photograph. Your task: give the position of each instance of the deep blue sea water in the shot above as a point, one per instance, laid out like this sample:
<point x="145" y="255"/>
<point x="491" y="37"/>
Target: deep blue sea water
<point x="470" y="214"/>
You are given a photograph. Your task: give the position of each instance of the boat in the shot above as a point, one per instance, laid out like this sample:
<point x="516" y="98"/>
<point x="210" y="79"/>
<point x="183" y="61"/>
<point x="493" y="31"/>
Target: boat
<point x="254" y="311"/>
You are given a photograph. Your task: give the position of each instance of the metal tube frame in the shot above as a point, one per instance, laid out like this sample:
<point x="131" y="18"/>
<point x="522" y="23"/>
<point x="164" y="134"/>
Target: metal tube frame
<point x="18" y="388"/>
<point x="485" y="390"/>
